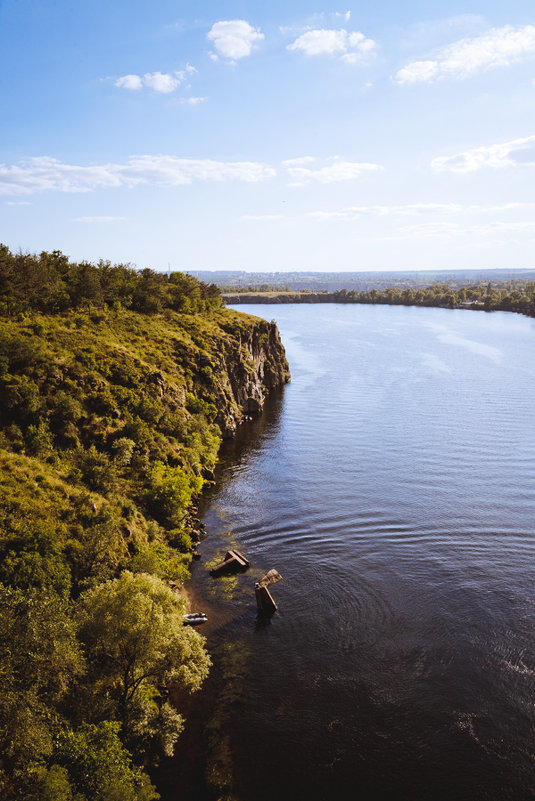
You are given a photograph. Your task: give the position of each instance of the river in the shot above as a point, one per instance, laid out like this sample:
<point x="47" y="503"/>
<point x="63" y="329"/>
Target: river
<point x="392" y="484"/>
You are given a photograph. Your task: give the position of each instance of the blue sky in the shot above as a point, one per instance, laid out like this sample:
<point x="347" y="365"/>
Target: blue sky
<point x="275" y="136"/>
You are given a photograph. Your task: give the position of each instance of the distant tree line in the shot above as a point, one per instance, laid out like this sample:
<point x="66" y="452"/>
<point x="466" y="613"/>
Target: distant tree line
<point x="517" y="296"/>
<point x="514" y="296"/>
<point x="50" y="283"/>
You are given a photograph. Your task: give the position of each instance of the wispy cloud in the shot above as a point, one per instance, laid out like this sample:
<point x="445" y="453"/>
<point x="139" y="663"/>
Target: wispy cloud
<point x="99" y="219"/>
<point x="261" y="217"/>
<point x="449" y="230"/>
<point x="300" y="161"/>
<point x="234" y="39"/>
<point x="516" y="153"/>
<point x="163" y="82"/>
<point x="48" y="174"/>
<point x="354" y="212"/>
<point x="499" y="47"/>
<point x="351" y="47"/>
<point x="193" y="101"/>
<point x="318" y="20"/>
<point x="431" y="33"/>
<point x="431" y="230"/>
<point x="336" y="170"/>
<point x="417" y="210"/>
<point x="18" y="203"/>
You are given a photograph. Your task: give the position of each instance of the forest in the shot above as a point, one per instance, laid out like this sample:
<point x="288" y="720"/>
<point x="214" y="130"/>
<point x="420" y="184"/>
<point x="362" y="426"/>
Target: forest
<point x="112" y="399"/>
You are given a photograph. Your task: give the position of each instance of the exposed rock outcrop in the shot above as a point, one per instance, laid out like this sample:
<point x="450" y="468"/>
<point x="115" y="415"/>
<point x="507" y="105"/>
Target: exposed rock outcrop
<point x="254" y="363"/>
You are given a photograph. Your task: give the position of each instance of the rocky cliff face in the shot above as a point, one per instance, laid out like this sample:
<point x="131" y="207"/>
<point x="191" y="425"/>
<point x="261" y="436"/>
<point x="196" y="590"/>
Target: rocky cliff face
<point x="254" y="363"/>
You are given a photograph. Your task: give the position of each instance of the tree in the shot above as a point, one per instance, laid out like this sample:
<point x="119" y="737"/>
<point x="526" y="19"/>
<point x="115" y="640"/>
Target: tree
<point x="40" y="658"/>
<point x="170" y="493"/>
<point x="85" y="286"/>
<point x="135" y="638"/>
<point x="91" y="764"/>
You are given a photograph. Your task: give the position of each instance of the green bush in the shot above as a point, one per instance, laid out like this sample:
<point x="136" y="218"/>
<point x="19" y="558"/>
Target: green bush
<point x="98" y="473"/>
<point x="97" y="767"/>
<point x="170" y="492"/>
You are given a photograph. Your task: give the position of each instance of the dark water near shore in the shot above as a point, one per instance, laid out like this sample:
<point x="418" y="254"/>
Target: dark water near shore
<point x="392" y="484"/>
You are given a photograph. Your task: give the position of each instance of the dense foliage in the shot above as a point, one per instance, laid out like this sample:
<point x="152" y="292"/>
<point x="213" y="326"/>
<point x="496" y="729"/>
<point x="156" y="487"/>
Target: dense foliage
<point x="108" y="428"/>
<point x="50" y="283"/>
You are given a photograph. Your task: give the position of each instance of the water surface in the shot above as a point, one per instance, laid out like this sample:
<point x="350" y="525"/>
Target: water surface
<point x="392" y="484"/>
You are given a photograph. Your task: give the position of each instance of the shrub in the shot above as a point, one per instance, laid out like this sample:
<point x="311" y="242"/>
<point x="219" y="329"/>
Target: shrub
<point x="170" y="492"/>
<point x="97" y="471"/>
<point x="123" y="449"/>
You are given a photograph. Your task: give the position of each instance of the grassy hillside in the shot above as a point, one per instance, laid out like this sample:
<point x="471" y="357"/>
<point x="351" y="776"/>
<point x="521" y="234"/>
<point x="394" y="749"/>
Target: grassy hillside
<point x="110" y="422"/>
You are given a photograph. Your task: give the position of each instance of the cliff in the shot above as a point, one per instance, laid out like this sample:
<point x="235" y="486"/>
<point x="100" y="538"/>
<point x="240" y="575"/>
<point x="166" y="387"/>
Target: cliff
<point x="253" y="365"/>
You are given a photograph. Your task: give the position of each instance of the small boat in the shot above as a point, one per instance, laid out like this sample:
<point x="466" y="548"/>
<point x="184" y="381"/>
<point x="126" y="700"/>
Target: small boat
<point x="195" y="618"/>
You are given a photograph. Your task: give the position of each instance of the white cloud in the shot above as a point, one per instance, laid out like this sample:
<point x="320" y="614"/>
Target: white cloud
<point x="131" y="82"/>
<point x="234" y="39"/>
<point x="48" y="174"/>
<point x="351" y="47"/>
<point x="321" y="40"/>
<point x="18" y="203"/>
<point x="499" y="47"/>
<point x="193" y="101"/>
<point x="100" y="219"/>
<point x="518" y="152"/>
<point x="418" y="71"/>
<point x="163" y="82"/>
<point x="337" y="170"/>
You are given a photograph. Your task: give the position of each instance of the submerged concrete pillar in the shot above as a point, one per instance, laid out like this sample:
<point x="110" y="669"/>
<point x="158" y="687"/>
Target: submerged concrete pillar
<point x="265" y="603"/>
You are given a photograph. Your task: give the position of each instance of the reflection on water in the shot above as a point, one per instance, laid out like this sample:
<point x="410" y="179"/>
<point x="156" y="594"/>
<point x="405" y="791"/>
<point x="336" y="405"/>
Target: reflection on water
<point x="392" y="484"/>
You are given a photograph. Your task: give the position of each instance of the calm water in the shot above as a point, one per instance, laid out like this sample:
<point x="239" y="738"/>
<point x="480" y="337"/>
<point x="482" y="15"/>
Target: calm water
<point x="392" y="484"/>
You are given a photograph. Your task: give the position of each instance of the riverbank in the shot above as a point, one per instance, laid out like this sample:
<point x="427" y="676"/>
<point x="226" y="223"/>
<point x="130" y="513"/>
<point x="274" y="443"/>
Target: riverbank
<point x="518" y="296"/>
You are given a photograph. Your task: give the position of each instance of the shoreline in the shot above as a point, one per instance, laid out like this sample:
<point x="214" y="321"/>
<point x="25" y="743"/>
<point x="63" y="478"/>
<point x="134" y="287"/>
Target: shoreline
<point x="282" y="299"/>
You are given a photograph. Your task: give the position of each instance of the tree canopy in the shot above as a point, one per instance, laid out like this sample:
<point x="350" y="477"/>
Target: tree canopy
<point x="133" y="631"/>
<point x="50" y="283"/>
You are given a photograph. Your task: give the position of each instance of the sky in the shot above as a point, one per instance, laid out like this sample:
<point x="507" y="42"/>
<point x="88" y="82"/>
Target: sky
<point x="272" y="136"/>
